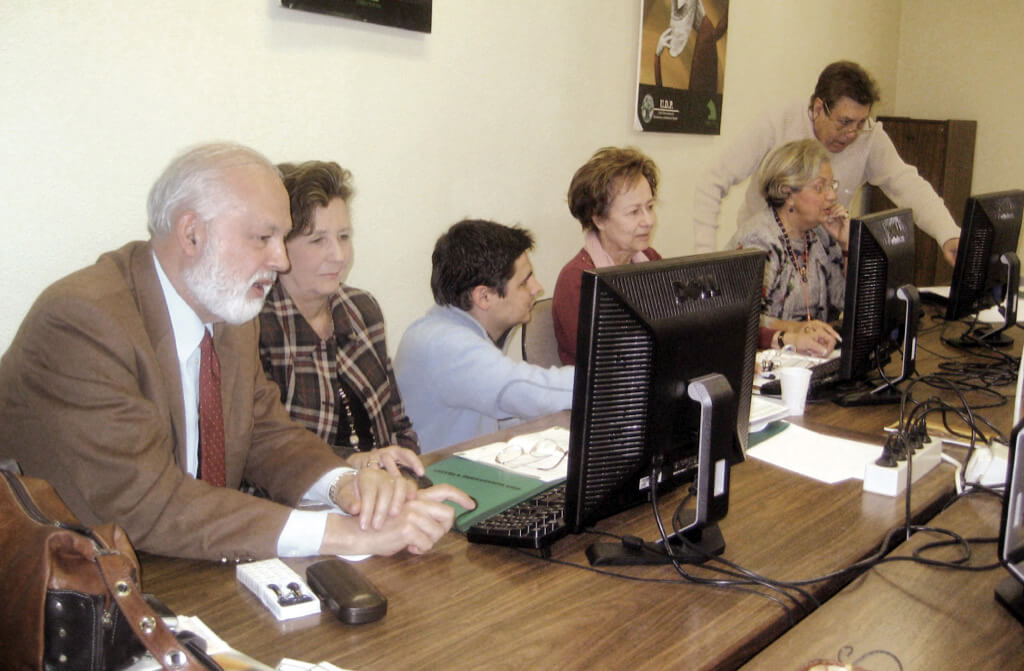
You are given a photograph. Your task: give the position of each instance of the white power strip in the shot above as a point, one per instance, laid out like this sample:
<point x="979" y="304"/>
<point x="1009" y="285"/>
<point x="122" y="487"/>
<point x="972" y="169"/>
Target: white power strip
<point x="892" y="480"/>
<point x="281" y="590"/>
<point x="987" y="466"/>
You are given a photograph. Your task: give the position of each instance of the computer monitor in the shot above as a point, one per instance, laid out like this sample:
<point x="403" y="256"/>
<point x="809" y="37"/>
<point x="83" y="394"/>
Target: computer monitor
<point x="664" y="369"/>
<point x="881" y="305"/>
<point x="1010" y="592"/>
<point x="987" y="270"/>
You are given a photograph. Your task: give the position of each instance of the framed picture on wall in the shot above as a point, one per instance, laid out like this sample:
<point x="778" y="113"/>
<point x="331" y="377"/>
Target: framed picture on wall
<point x="407" y="14"/>
<point x="681" y="66"/>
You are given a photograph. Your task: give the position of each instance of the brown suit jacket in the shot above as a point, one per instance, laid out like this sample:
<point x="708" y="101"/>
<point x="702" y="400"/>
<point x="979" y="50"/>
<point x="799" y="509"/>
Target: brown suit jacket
<point x="91" y="400"/>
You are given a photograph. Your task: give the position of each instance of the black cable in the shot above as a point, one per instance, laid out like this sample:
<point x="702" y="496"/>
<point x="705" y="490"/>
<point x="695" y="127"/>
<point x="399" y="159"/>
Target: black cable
<point x="739" y="575"/>
<point x="913" y="423"/>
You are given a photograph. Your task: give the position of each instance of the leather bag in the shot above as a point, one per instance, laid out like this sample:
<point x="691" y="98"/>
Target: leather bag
<point x="71" y="595"/>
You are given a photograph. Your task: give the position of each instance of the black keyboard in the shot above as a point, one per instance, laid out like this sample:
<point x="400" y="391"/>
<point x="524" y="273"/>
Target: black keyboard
<point x="535" y="523"/>
<point x="824" y="377"/>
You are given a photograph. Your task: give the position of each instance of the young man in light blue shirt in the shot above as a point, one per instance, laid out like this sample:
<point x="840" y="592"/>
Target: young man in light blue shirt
<point x="456" y="380"/>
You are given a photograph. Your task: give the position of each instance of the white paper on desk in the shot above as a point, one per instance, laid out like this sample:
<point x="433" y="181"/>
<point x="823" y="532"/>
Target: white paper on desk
<point x="296" y="665"/>
<point x="764" y="411"/>
<point x="824" y="458"/>
<point x="549" y="469"/>
<point x="223" y="654"/>
<point x="992" y="315"/>
<point x="942" y="290"/>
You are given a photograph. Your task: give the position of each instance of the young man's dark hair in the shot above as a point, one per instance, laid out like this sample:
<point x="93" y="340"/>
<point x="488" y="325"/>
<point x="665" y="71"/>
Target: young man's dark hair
<point x="845" y="79"/>
<point x="473" y="253"/>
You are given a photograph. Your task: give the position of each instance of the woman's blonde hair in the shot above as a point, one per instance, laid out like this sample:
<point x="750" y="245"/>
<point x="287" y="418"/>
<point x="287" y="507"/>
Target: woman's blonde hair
<point x="789" y="168"/>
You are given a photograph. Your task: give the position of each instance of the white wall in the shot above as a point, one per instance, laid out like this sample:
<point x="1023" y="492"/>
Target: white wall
<point x="487" y="116"/>
<point x="963" y="61"/>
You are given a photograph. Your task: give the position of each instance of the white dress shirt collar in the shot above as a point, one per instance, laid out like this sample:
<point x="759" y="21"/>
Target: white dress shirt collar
<point x="187" y="329"/>
<point x="186" y="325"/>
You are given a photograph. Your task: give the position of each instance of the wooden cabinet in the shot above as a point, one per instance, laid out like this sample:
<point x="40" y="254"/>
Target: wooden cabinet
<point x="943" y="153"/>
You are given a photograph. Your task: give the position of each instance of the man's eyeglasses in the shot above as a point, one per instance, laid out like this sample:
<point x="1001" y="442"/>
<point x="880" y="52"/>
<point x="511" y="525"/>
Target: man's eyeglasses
<point x="849" y="126"/>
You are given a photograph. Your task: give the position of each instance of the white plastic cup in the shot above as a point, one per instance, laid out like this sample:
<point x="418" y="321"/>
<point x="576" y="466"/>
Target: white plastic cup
<point x="795" y="382"/>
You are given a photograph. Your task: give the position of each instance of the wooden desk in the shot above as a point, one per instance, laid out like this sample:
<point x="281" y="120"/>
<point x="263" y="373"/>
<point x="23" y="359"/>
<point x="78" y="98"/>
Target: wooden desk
<point x="931" y="355"/>
<point x="466" y="606"/>
<point x="928" y="617"/>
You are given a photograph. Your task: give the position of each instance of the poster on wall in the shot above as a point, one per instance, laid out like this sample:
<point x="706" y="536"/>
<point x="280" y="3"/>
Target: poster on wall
<point x="681" y="66"/>
<point x="407" y="14"/>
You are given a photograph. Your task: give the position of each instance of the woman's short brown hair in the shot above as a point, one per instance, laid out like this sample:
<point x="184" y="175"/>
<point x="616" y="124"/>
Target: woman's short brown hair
<point x="608" y="172"/>
<point x="310" y="185"/>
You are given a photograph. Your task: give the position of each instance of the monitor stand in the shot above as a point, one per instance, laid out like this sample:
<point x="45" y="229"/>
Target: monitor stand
<point x="884" y="395"/>
<point x="984" y="336"/>
<point x="1010" y="594"/>
<point x="632" y="551"/>
<point x="997" y="338"/>
<point x="703" y="538"/>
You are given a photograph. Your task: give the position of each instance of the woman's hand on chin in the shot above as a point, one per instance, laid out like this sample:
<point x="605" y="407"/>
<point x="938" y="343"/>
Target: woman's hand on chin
<point x="838" y="226"/>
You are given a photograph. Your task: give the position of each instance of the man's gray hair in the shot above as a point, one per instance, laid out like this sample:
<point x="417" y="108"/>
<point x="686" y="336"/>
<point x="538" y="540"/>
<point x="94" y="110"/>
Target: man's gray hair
<point x="194" y="181"/>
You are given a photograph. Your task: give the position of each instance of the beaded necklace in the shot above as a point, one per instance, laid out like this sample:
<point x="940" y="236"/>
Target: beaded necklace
<point x="805" y="289"/>
<point x="353" y="437"/>
<point x="326" y="330"/>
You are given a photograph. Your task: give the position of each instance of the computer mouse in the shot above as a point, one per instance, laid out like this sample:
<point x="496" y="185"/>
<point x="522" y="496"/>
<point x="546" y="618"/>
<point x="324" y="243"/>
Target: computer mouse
<point x="422" y="481"/>
<point x="345" y="592"/>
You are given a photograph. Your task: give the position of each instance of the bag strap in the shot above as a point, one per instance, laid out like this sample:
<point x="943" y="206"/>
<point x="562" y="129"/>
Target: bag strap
<point x="150" y="629"/>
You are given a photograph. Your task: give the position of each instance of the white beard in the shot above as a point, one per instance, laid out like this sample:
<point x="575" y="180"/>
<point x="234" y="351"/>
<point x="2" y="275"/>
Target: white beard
<point x="220" y="293"/>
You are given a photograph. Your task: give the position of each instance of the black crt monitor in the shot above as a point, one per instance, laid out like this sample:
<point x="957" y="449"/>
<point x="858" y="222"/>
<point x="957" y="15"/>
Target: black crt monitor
<point x="881" y="306"/>
<point x="1010" y="592"/>
<point x="987" y="270"/>
<point x="664" y="371"/>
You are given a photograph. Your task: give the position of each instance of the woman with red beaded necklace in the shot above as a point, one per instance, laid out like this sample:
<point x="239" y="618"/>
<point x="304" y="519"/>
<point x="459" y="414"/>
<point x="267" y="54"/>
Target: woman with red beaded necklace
<point x="805" y="232"/>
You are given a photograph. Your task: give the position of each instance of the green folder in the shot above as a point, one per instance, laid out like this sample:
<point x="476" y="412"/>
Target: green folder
<point x="493" y="488"/>
<point x="770" y="431"/>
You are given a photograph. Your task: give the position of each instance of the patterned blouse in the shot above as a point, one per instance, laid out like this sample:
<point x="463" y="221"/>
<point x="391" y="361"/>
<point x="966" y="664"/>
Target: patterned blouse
<point x="783" y="294"/>
<point x="307" y="369"/>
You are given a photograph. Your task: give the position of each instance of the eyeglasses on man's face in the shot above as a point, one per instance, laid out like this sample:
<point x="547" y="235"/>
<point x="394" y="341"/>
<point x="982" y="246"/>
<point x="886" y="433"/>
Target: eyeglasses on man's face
<point x="847" y="126"/>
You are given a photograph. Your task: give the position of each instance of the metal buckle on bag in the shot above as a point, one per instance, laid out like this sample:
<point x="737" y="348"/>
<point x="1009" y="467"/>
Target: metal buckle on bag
<point x="175" y="659"/>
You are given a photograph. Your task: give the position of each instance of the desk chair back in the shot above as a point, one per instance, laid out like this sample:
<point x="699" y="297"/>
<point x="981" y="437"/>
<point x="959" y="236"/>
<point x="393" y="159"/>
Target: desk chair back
<point x="539" y="344"/>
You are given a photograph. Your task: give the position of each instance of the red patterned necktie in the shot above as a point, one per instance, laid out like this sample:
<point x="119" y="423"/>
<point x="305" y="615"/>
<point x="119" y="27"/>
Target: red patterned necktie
<point x="211" y="415"/>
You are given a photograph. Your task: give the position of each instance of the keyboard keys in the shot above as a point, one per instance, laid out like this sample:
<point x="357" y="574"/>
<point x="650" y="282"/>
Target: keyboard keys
<point x="535" y="523"/>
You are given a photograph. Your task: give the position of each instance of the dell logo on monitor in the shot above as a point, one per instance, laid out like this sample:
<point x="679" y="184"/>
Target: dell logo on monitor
<point x="696" y="289"/>
<point x="894" y="231"/>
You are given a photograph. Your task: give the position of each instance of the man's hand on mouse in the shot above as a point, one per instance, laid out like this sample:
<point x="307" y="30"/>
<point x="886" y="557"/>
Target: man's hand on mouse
<point x="435" y="497"/>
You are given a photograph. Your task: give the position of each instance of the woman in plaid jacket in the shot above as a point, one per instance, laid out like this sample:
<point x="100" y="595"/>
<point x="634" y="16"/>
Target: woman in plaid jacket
<point x="323" y="342"/>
